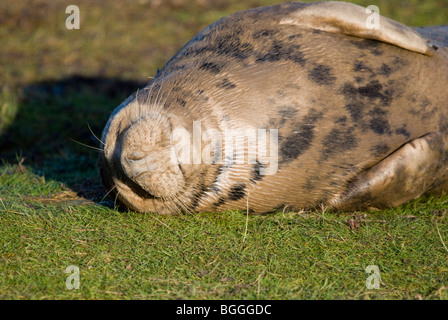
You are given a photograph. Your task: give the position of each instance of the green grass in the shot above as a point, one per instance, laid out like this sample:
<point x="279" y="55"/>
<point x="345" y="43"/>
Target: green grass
<point x="307" y="255"/>
<point x="8" y="108"/>
<point x="58" y="88"/>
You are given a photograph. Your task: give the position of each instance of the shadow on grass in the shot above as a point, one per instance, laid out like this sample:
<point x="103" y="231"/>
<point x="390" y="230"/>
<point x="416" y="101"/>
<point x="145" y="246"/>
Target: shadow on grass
<point x="52" y="115"/>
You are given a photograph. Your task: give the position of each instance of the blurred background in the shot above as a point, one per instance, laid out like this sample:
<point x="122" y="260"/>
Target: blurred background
<point x="58" y="86"/>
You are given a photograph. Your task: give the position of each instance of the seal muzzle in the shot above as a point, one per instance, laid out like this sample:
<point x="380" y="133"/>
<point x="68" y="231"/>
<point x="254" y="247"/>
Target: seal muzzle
<point x="147" y="158"/>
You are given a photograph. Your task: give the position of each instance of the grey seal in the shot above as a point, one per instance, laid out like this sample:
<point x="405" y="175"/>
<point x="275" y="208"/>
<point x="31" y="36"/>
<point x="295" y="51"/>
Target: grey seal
<point x="325" y="110"/>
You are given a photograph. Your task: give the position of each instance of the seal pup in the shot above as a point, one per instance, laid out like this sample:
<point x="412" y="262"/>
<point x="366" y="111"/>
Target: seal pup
<point x="327" y="110"/>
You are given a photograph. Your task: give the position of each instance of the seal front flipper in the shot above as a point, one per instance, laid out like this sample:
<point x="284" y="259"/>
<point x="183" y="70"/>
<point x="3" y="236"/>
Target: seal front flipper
<point x="404" y="175"/>
<point x="350" y="19"/>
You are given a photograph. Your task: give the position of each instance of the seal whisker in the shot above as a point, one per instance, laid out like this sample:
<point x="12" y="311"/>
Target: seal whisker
<point x="176" y="204"/>
<point x="91" y="131"/>
<point x="115" y="200"/>
<point x="108" y="192"/>
<point x="86" y="145"/>
<point x="156" y="102"/>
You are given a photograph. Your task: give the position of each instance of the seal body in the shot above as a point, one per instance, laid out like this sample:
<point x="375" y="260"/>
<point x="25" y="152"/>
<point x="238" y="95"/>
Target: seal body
<point x="272" y="107"/>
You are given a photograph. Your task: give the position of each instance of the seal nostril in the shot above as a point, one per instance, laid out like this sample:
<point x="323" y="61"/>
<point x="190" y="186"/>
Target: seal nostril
<point x="135" y="156"/>
<point x="140" y="164"/>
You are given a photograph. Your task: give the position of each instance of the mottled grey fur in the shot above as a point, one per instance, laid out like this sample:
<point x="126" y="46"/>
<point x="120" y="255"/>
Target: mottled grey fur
<point x="362" y="122"/>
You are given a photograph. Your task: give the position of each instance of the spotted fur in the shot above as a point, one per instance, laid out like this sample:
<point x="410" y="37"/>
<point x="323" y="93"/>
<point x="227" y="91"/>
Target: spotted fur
<point x="362" y="118"/>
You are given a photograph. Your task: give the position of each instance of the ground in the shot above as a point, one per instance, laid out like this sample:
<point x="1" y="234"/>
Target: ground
<point x="57" y="88"/>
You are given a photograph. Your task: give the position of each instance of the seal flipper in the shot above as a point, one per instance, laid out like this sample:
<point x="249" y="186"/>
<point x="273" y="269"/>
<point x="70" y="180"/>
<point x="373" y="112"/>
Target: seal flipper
<point x="350" y="19"/>
<point x="404" y="175"/>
